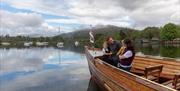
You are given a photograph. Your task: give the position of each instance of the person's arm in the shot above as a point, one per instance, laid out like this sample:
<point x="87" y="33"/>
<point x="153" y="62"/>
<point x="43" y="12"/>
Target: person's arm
<point x="122" y="57"/>
<point x="108" y="53"/>
<point x="105" y="53"/>
<point x="128" y="54"/>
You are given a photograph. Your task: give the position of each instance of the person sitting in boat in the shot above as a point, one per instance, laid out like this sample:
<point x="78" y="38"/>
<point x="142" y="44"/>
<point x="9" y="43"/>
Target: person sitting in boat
<point x="128" y="55"/>
<point x="110" y="49"/>
<point x="106" y="52"/>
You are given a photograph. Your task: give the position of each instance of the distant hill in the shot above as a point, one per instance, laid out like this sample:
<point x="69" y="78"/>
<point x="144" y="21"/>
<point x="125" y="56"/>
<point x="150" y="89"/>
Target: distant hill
<point x="108" y="30"/>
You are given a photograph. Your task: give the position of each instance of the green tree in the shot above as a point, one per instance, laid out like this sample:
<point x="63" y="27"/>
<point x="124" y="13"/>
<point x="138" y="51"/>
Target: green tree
<point x="99" y="40"/>
<point x="135" y="35"/>
<point x="117" y="36"/>
<point x="168" y="32"/>
<point x="150" y="32"/>
<point x="122" y="35"/>
<point x="178" y="31"/>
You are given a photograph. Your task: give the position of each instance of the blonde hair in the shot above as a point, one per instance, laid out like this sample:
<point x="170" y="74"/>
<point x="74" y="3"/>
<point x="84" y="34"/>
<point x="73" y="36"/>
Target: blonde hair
<point x="122" y="49"/>
<point x="105" y="45"/>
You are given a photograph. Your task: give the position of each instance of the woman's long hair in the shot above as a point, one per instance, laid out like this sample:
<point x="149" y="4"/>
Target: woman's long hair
<point x="129" y="45"/>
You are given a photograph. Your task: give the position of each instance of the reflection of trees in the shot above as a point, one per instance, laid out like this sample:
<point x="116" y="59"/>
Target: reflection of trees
<point x="148" y="49"/>
<point x="93" y="85"/>
<point x="78" y="49"/>
<point x="162" y="50"/>
<point x="170" y="51"/>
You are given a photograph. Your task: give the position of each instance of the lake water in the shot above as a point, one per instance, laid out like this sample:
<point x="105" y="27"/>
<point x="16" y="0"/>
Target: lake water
<point x="171" y="51"/>
<point x="53" y="69"/>
<point x="43" y="69"/>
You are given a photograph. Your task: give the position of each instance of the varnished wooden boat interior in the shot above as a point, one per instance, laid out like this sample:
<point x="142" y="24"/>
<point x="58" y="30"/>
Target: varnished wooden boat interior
<point x="170" y="66"/>
<point x="111" y="78"/>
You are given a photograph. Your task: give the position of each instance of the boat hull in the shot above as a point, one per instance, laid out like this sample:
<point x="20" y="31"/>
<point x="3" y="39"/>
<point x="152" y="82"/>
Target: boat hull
<point x="111" y="78"/>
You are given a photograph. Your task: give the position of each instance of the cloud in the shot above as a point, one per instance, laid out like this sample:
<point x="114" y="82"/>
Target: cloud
<point x="124" y="21"/>
<point x="175" y="17"/>
<point x="95" y="8"/>
<point x="141" y="13"/>
<point x="64" y="21"/>
<point x="23" y="23"/>
<point x="54" y="7"/>
<point x="156" y="13"/>
<point x="132" y="5"/>
<point x="127" y="13"/>
<point x="14" y="20"/>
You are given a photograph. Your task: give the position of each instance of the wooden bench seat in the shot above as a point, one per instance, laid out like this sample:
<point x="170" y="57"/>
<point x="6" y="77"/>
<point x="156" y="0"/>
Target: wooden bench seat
<point x="175" y="83"/>
<point x="170" y="67"/>
<point x="153" y="72"/>
<point x="142" y="67"/>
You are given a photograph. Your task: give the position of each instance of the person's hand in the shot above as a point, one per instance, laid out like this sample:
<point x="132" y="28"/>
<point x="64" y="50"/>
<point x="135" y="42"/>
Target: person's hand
<point x="108" y="53"/>
<point x="121" y="57"/>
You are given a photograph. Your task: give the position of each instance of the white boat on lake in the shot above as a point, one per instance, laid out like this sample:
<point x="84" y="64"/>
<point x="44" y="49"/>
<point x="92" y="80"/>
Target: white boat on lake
<point x="76" y="43"/>
<point x="5" y="43"/>
<point x="60" y="44"/>
<point x="41" y="43"/>
<point x="28" y="43"/>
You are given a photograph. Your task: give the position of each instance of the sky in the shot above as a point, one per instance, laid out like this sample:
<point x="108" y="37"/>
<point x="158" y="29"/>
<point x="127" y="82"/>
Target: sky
<point x="47" y="17"/>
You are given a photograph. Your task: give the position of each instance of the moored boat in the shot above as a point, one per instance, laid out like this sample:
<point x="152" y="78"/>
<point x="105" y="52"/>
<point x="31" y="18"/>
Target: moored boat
<point x="111" y="78"/>
<point x="76" y="43"/>
<point x="5" y="43"/>
<point x="41" y="43"/>
<point x="27" y="44"/>
<point x="60" y="44"/>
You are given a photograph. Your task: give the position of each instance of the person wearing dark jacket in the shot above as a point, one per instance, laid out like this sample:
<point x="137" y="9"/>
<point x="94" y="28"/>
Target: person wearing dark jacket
<point x="110" y="48"/>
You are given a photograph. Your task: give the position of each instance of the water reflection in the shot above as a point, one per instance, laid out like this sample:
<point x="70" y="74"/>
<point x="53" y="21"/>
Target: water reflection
<point x="93" y="86"/>
<point x="43" y="69"/>
<point x="172" y="51"/>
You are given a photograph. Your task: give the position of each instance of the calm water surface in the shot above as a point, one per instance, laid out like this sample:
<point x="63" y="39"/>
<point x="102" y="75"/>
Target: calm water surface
<point x="171" y="51"/>
<point x="43" y="69"/>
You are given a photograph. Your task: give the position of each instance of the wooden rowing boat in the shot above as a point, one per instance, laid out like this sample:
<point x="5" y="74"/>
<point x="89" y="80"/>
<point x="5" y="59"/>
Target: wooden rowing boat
<point x="111" y="78"/>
